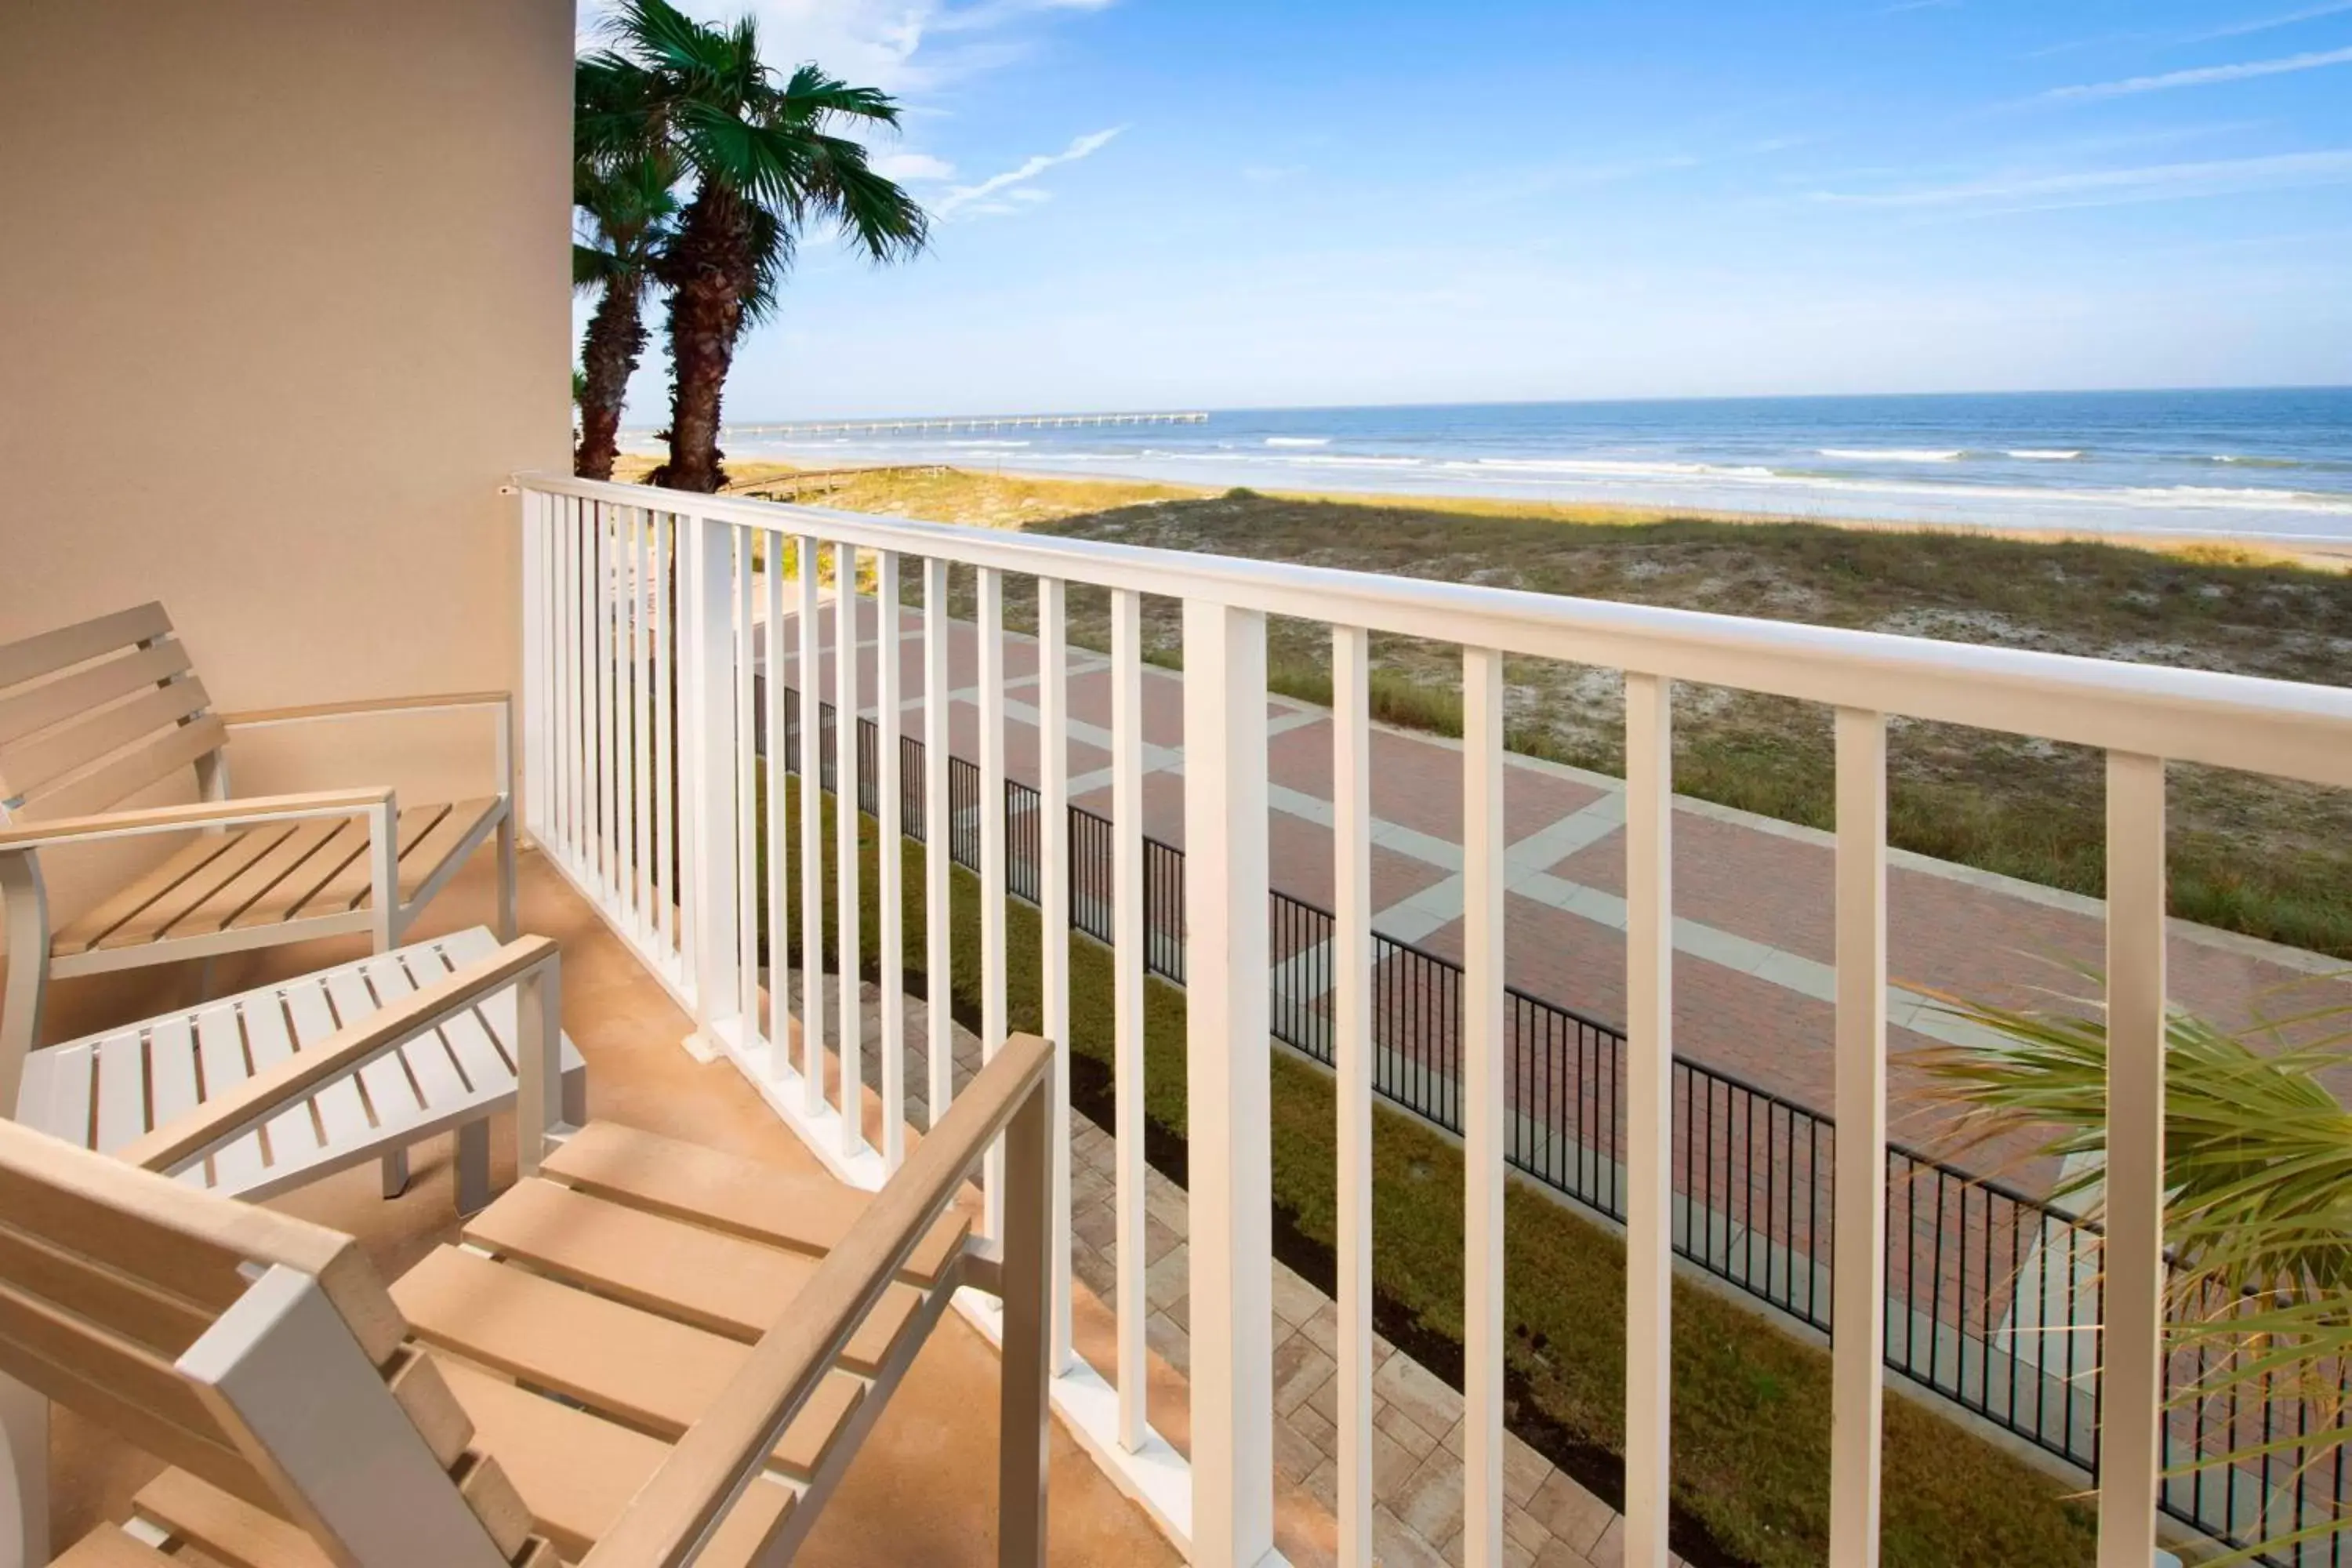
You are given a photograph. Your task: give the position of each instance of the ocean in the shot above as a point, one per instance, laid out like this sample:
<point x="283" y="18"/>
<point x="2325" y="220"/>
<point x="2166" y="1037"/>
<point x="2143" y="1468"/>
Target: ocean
<point x="2271" y="463"/>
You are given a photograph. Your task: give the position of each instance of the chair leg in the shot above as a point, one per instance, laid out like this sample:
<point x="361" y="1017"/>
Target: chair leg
<point x="473" y="1165"/>
<point x="575" y="1097"/>
<point x="1027" y="1275"/>
<point x="20" y="1027"/>
<point x="24" y="1476"/>
<point x="27" y="912"/>
<point x="395" y="1173"/>
<point x="509" y="928"/>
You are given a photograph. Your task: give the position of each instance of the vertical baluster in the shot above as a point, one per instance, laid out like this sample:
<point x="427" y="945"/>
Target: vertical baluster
<point x="779" y="830"/>
<point x="1858" y="1306"/>
<point x="624" y="789"/>
<point x="2130" y="1404"/>
<point x="533" y="802"/>
<point x="812" y="799"/>
<point x="891" y="860"/>
<point x="640" y="719"/>
<point x="1352" y="1042"/>
<point x="1227" y="1091"/>
<point x="938" y="848"/>
<point x="1482" y="1105"/>
<point x="664" y="667"/>
<point x="608" y="866"/>
<point x="1649" y="1115"/>
<point x="547" y="717"/>
<point x="710" y="750"/>
<point x="849" y="1040"/>
<point x="993" y="889"/>
<point x="746" y="839"/>
<point x="1129" y="937"/>
<point x="1054" y="896"/>
<point x="567" y="680"/>
<point x="624" y="828"/>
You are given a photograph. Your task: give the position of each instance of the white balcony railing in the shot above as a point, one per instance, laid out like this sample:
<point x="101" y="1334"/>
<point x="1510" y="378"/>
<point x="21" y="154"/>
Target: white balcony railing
<point x="666" y="839"/>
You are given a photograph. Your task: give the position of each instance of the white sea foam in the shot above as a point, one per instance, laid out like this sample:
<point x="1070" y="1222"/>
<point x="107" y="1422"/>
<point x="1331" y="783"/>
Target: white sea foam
<point x="1299" y="440"/>
<point x="2046" y="454"/>
<point x="1000" y="444"/>
<point x="2251" y="498"/>
<point x="1612" y="467"/>
<point x="1895" y="454"/>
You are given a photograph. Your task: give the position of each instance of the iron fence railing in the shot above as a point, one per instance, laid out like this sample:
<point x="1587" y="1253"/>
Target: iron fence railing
<point x="1992" y="1296"/>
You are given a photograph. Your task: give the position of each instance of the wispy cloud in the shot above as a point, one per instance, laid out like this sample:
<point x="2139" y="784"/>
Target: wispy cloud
<point x="996" y="196"/>
<point x="2100" y="187"/>
<point x="900" y="45"/>
<point x="1900" y="6"/>
<point x="2265" y="24"/>
<point x="2202" y="76"/>
<point x="996" y="13"/>
<point x="912" y="168"/>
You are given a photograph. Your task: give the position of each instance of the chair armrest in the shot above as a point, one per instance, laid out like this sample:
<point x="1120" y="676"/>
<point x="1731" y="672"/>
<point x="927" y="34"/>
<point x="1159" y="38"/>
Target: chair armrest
<point x="196" y="814"/>
<point x="263" y="717"/>
<point x="230" y="1115"/>
<point x="665" y="1524"/>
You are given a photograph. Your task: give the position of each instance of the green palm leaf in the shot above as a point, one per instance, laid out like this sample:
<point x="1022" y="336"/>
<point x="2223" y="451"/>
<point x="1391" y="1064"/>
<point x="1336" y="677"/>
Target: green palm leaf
<point x="2258" y="1177"/>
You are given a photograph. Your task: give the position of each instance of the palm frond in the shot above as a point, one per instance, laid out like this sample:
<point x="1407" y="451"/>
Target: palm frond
<point x="813" y="97"/>
<point x="2258" y="1177"/>
<point x="873" y="211"/>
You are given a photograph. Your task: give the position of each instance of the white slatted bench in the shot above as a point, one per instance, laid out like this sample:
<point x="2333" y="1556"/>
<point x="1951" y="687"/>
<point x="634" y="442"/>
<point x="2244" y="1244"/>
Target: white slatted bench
<point x="108" y="1089"/>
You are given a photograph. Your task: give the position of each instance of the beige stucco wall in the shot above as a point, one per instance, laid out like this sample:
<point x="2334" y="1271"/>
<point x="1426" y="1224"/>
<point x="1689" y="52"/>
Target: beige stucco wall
<point x="283" y="300"/>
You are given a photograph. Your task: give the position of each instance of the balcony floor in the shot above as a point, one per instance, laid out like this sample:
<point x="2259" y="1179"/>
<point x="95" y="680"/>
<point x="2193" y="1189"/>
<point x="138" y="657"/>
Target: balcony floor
<point x="923" y="1491"/>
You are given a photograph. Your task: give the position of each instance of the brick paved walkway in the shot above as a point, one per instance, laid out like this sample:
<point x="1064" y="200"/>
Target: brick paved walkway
<point x="1752" y="895"/>
<point x="1550" y="1520"/>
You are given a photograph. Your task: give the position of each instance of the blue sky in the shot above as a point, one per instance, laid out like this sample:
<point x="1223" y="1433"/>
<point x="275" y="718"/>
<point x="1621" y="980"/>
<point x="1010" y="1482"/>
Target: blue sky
<point x="1202" y="203"/>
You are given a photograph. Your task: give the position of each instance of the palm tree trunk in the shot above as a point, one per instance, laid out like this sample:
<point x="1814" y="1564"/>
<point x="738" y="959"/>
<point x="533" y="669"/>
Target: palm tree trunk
<point x="709" y="270"/>
<point x="609" y="352"/>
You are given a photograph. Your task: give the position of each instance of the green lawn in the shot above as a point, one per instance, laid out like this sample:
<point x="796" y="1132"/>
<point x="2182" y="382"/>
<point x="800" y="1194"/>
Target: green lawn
<point x="1751" y="1403"/>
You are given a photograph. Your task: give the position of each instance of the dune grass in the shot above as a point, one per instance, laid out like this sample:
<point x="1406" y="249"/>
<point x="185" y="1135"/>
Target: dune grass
<point x="1751" y="1402"/>
<point x="2265" y="857"/>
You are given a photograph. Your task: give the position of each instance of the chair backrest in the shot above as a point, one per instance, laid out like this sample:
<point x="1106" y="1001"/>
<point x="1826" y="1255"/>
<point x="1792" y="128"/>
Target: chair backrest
<point x="254" y="1350"/>
<point x="90" y="714"/>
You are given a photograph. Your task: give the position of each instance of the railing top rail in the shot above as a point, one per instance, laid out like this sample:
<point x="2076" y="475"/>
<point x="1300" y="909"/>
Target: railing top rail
<point x="2285" y="728"/>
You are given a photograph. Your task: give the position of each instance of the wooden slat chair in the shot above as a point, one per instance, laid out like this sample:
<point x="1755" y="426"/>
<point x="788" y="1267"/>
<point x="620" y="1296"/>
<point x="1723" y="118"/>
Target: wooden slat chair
<point x="93" y="714"/>
<point x="646" y="1353"/>
<point x="109" y="1091"/>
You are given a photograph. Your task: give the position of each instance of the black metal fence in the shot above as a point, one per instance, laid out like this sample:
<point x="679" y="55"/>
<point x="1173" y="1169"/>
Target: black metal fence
<point x="1991" y="1295"/>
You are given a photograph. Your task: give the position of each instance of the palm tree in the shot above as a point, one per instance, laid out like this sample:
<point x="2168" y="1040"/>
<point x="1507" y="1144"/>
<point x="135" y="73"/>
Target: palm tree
<point x="2258" y="1211"/>
<point x="765" y="165"/>
<point x="627" y="213"/>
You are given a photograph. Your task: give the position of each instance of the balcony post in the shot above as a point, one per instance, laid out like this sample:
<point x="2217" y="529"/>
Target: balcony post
<point x="1226" y="1054"/>
<point x="2131" y="1400"/>
<point x="1649" y="1112"/>
<point x="707" y="749"/>
<point x="1859" y="1203"/>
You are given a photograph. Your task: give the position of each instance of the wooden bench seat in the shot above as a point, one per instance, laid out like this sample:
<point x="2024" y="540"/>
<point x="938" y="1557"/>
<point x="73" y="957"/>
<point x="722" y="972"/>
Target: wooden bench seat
<point x="273" y="873"/>
<point x="109" y="1091"/>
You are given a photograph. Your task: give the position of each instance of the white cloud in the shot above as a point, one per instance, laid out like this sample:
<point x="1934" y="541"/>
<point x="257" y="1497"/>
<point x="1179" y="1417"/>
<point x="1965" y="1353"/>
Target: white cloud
<point x="890" y="44"/>
<point x="911" y="168"/>
<point x="2202" y="76"/>
<point x="996" y="13"/>
<point x="2159" y="181"/>
<point x="986" y="198"/>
